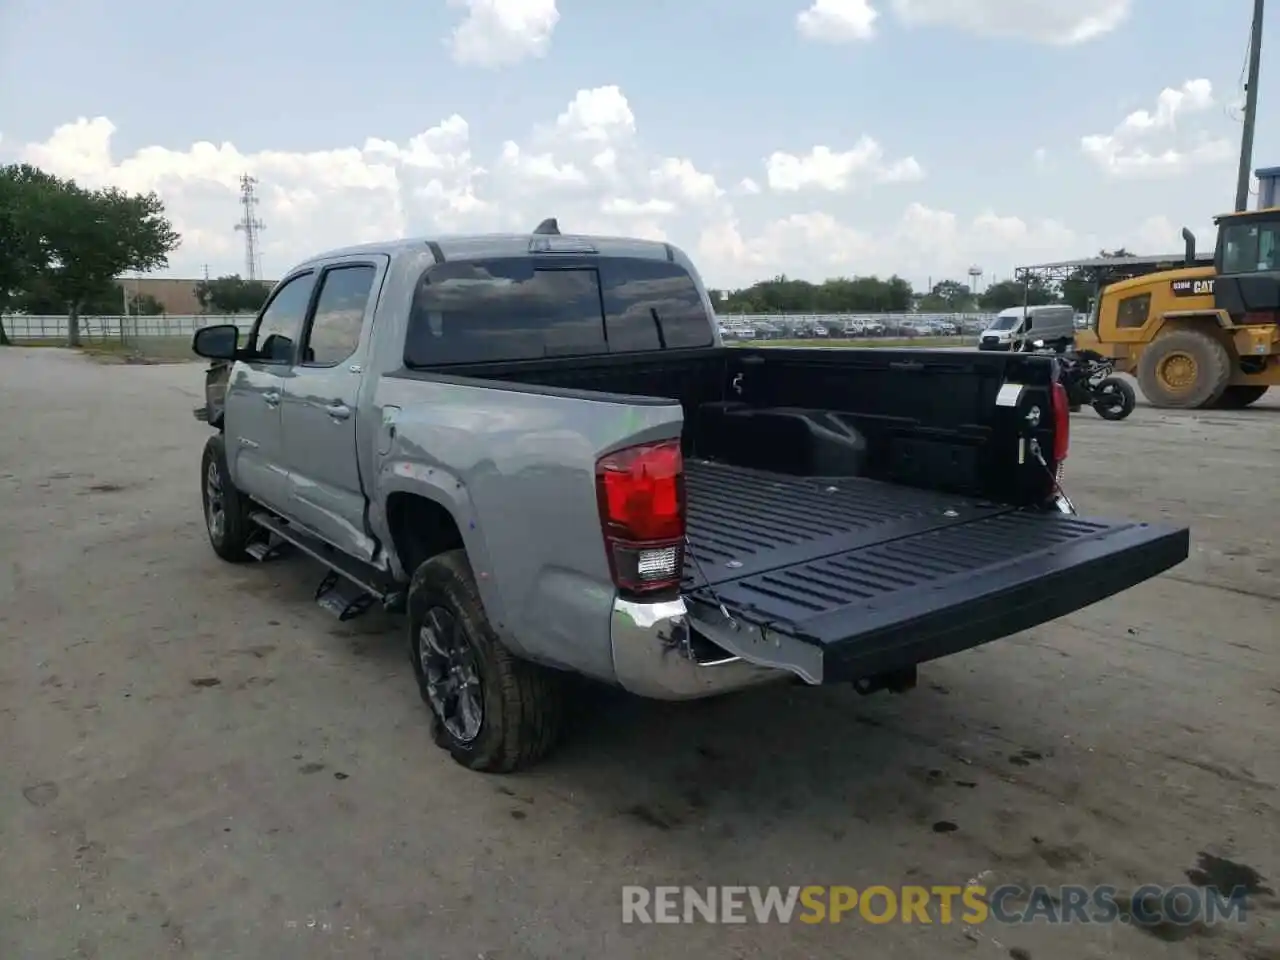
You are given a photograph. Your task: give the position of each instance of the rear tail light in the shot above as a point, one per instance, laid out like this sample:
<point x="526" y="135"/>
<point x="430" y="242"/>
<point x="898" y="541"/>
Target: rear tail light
<point x="1061" y="426"/>
<point x="640" y="491"/>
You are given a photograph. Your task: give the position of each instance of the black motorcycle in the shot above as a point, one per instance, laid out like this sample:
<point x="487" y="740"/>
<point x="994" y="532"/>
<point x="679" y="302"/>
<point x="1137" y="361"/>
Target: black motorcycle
<point x="1090" y="379"/>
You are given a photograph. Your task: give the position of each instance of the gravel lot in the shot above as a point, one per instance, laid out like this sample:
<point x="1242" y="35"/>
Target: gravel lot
<point x="199" y="762"/>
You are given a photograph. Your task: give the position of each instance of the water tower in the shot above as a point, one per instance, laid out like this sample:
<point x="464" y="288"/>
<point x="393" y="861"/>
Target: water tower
<point x="975" y="278"/>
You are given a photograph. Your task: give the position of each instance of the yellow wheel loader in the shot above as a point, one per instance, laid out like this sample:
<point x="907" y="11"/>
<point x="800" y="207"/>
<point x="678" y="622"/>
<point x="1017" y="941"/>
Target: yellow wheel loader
<point x="1197" y="333"/>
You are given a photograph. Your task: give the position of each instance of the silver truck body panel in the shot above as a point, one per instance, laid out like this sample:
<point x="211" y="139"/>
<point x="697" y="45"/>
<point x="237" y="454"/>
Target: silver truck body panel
<point x="516" y="470"/>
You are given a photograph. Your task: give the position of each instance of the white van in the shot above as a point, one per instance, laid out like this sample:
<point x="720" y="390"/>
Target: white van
<point x="1018" y="327"/>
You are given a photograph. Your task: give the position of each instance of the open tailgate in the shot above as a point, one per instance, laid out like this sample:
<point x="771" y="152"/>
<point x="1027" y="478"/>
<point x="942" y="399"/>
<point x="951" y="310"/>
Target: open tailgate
<point x="872" y="577"/>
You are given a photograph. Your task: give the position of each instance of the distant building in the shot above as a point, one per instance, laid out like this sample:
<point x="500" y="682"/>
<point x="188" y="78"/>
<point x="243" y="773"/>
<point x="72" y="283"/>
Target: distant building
<point x="176" y="296"/>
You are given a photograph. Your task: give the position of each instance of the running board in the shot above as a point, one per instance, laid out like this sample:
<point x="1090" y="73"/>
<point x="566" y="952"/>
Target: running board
<point x="267" y="548"/>
<point x="350" y="587"/>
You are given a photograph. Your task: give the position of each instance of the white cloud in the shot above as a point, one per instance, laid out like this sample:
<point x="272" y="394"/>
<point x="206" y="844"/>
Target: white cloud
<point x="837" y="21"/>
<point x="1061" y="23"/>
<point x="923" y="242"/>
<point x="824" y="169"/>
<point x="1158" y="143"/>
<point x="680" y="178"/>
<point x="1064" y="23"/>
<point x="497" y="33"/>
<point x="600" y="115"/>
<point x="590" y="168"/>
<point x="1191" y="97"/>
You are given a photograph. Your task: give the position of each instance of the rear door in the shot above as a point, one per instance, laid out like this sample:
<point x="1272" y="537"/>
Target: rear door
<point x="255" y="452"/>
<point x="318" y="406"/>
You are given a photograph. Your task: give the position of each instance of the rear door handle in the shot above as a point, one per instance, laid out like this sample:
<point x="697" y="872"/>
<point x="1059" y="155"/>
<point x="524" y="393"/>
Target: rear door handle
<point x="339" y="411"/>
<point x="271" y="398"/>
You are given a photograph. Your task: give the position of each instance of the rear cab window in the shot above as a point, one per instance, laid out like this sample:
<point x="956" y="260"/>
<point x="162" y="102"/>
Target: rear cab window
<point x="534" y="307"/>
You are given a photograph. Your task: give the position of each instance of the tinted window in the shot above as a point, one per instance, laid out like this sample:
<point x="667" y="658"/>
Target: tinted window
<point x="1251" y="247"/>
<point x="335" y="328"/>
<point x="475" y="311"/>
<point x="652" y="304"/>
<point x="281" y="323"/>
<point x="1133" y="311"/>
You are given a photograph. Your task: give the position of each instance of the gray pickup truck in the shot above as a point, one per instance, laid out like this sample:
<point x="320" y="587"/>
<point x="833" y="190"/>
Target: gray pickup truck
<point x="537" y="448"/>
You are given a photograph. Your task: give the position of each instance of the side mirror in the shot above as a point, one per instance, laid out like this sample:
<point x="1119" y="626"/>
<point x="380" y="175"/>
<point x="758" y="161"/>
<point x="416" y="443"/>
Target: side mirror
<point x="218" y="342"/>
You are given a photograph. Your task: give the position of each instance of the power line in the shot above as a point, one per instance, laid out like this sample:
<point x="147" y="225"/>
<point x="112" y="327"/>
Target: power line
<point x="250" y="225"/>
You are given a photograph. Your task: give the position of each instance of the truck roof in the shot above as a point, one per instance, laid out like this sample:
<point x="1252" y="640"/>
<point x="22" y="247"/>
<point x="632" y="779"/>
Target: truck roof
<point x="477" y="246"/>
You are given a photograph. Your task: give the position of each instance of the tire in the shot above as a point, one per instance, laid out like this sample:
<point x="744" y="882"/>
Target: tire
<point x="1237" y="398"/>
<point x="226" y="509"/>
<point x="520" y="704"/>
<point x="1201" y="365"/>
<point x="1121" y="389"/>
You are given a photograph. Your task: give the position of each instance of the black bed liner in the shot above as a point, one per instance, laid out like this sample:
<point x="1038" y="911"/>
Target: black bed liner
<point x="884" y="576"/>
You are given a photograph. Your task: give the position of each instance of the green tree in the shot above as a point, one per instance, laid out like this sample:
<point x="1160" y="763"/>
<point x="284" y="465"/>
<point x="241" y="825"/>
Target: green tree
<point x="836" y="295"/>
<point x="96" y="235"/>
<point x="145" y="305"/>
<point x="948" y="296"/>
<point x="232" y="294"/>
<point x="1010" y="293"/>
<point x="25" y="248"/>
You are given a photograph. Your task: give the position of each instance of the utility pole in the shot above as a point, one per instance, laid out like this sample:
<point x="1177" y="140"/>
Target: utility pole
<point x="1245" y="174"/>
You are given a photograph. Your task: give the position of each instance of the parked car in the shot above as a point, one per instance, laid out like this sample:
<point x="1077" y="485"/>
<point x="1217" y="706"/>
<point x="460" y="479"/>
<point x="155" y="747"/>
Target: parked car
<point x="538" y="450"/>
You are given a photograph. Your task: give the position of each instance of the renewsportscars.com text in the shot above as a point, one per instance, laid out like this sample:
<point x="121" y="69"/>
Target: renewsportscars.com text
<point x="970" y="905"/>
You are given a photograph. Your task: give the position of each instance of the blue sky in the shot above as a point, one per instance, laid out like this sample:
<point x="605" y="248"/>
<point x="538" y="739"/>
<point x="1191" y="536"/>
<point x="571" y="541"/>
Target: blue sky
<point x="993" y="122"/>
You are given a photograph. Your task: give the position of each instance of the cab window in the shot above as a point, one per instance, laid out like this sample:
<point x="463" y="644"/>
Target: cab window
<point x="335" y="328"/>
<point x="1251" y="247"/>
<point x="280" y="324"/>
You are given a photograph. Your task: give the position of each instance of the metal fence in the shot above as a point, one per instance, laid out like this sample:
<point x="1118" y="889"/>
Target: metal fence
<point x="119" y="329"/>
<point x="173" y="331"/>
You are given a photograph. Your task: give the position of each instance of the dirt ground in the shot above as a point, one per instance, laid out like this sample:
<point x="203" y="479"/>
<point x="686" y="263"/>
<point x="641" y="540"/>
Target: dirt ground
<point x="199" y="762"/>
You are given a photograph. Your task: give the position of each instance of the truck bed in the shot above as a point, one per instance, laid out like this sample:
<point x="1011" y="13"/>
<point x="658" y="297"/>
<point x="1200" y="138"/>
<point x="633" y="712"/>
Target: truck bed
<point x="882" y="576"/>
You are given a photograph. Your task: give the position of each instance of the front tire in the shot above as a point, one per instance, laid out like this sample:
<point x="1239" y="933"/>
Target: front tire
<point x="1118" y="399"/>
<point x="1184" y="370"/>
<point x="226" y="509"/>
<point x="492" y="711"/>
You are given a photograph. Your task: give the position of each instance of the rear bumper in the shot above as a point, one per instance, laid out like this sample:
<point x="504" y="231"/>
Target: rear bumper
<point x="654" y="656"/>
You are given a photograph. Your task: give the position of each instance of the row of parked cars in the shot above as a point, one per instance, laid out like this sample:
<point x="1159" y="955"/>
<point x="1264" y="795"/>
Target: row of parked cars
<point x="846" y="328"/>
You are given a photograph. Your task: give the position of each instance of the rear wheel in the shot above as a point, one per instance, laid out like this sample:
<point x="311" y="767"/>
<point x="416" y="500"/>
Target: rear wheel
<point x="492" y="711"/>
<point x="1239" y="397"/>
<point x="1115" y="399"/>
<point x="1184" y="369"/>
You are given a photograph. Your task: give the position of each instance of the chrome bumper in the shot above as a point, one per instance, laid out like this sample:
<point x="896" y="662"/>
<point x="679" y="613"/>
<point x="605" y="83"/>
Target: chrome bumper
<point x="652" y="656"/>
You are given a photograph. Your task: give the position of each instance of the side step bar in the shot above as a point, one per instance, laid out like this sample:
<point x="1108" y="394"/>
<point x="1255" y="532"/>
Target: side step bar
<point x="371" y="585"/>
